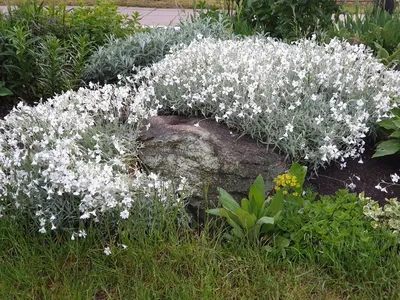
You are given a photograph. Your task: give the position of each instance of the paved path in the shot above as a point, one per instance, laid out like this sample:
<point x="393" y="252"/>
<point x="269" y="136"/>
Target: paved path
<point x="150" y="16"/>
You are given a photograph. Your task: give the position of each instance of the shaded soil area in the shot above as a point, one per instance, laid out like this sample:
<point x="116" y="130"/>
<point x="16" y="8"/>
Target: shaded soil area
<point x="364" y="176"/>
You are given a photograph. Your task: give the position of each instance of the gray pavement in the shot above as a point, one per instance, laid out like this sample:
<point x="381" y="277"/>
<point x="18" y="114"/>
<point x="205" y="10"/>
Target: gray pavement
<point x="150" y="16"/>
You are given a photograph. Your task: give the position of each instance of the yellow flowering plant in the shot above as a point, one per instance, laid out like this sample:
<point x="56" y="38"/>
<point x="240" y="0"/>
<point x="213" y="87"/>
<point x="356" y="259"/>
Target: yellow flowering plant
<point x="257" y="216"/>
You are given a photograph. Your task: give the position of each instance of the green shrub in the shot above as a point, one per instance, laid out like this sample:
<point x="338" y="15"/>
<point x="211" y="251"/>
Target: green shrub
<point x="100" y="21"/>
<point x="374" y="29"/>
<point x="289" y="19"/>
<point x="120" y="56"/>
<point x="335" y="233"/>
<point x="43" y="49"/>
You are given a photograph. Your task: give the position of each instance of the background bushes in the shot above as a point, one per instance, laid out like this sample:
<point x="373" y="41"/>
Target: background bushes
<point x="44" y="48"/>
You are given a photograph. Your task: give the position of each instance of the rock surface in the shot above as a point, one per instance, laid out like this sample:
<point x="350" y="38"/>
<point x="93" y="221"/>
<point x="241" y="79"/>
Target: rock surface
<point x="209" y="155"/>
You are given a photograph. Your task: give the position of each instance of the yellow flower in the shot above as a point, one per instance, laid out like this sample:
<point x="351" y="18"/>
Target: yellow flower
<point x="295" y="194"/>
<point x="284" y="192"/>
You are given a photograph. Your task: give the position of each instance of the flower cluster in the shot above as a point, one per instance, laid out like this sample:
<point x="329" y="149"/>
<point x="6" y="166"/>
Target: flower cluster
<point x="287" y="182"/>
<point x="313" y="102"/>
<point x="73" y="158"/>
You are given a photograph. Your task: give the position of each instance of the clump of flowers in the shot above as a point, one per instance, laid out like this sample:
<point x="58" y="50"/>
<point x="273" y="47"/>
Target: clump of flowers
<point x="387" y="217"/>
<point x="312" y="102"/>
<point x="288" y="184"/>
<point x="73" y="158"/>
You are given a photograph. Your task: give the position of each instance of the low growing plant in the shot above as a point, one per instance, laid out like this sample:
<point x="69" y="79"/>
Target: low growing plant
<point x="334" y="232"/>
<point x="280" y="94"/>
<point x="119" y="56"/>
<point x="256" y="216"/>
<point x="386" y="217"/>
<point x="73" y="159"/>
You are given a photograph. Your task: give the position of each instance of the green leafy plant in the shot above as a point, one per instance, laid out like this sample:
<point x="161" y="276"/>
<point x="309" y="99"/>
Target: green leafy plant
<point x="387" y="217"/>
<point x="289" y="19"/>
<point x="333" y="231"/>
<point x="256" y="216"/>
<point x="102" y="20"/>
<point x="3" y="90"/>
<point x="391" y="60"/>
<point x="392" y="145"/>
<point x="374" y="29"/>
<point x="44" y="48"/>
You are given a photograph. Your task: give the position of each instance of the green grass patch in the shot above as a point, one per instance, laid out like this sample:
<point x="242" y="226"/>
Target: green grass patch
<point x="168" y="264"/>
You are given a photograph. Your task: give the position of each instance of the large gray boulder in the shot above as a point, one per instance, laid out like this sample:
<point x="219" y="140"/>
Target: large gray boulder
<point x="209" y="155"/>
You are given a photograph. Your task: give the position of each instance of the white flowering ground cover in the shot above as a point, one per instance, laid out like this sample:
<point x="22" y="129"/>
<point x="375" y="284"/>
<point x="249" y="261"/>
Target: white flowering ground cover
<point x="313" y="102"/>
<point x="71" y="158"/>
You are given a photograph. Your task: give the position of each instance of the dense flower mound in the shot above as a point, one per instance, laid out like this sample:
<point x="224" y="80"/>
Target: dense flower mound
<point x="73" y="158"/>
<point x="313" y="102"/>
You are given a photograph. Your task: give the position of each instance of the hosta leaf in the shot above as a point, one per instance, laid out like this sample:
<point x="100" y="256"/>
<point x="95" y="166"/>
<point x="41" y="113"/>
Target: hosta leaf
<point x="396" y="134"/>
<point x="388" y="124"/>
<point x="387" y="148"/>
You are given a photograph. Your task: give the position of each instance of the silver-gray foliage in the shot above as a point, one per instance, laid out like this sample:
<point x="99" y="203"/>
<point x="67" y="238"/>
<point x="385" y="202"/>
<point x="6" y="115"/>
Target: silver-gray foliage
<point x="119" y="56"/>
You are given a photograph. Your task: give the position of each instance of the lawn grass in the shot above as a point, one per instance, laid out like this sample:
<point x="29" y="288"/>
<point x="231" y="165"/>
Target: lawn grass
<point x="167" y="264"/>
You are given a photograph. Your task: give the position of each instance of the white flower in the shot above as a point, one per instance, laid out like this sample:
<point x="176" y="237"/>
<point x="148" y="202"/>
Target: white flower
<point x="82" y="234"/>
<point x="395" y="178"/>
<point x="107" y="251"/>
<point x="289" y="127"/>
<point x="124" y="214"/>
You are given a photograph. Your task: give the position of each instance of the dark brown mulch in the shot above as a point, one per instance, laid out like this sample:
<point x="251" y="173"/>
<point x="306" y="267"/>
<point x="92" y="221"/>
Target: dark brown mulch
<point x="371" y="172"/>
<point x="329" y="180"/>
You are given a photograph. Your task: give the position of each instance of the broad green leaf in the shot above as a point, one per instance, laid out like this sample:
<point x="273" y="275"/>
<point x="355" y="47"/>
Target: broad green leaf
<point x="257" y="196"/>
<point x="236" y="229"/>
<point x="245" y="205"/>
<point x="396" y="134"/>
<point x="387" y="148"/>
<point x="382" y="52"/>
<point x="276" y="204"/>
<point x="216" y="211"/>
<point x="388" y="124"/>
<point x="281" y="242"/>
<point x="396" y="111"/>
<point x="265" y="220"/>
<point x="246" y="220"/>
<point x="5" y="92"/>
<point x="299" y="171"/>
<point x="227" y="201"/>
